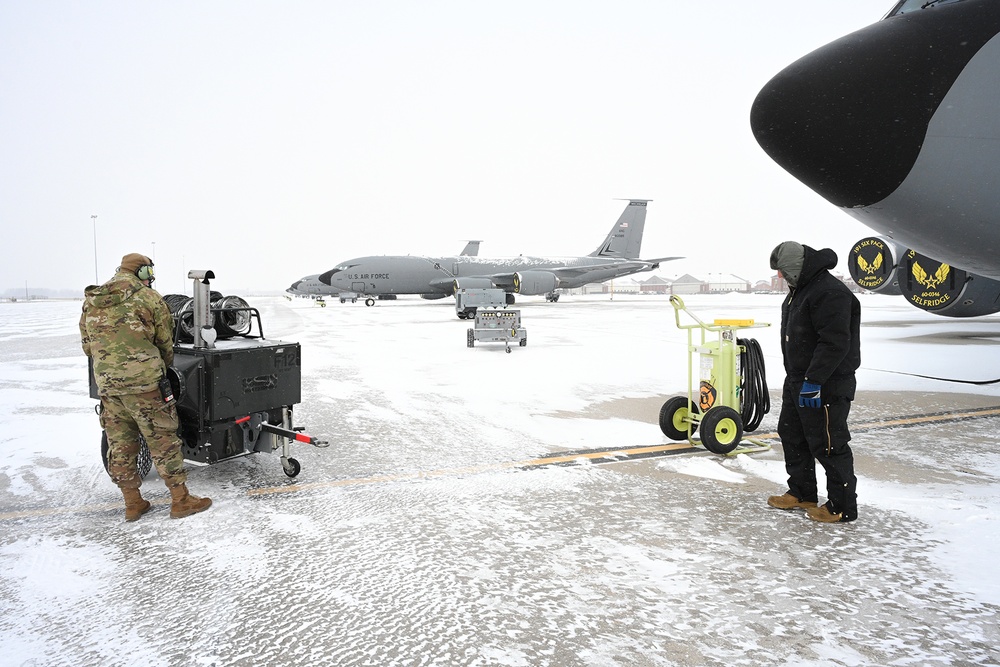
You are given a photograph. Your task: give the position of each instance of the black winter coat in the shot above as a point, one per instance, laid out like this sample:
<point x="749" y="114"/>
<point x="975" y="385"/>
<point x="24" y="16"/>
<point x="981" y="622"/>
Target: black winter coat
<point x="820" y="324"/>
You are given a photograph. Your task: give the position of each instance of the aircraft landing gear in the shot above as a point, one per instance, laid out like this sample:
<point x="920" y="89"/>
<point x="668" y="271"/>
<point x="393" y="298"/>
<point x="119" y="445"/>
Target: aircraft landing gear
<point x="552" y="297"/>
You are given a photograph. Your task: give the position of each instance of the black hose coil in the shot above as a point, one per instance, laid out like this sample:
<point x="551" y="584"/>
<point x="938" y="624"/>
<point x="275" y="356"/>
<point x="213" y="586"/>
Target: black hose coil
<point x="755" y="401"/>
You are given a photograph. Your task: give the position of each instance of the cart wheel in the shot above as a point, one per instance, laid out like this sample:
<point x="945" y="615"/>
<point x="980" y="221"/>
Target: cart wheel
<point x="508" y="349"/>
<point x="673" y="415"/>
<point x="291" y="467"/>
<point x="369" y="302"/>
<point x="144" y="462"/>
<point x="721" y="429"/>
<point x="524" y="341"/>
<point x="470" y="338"/>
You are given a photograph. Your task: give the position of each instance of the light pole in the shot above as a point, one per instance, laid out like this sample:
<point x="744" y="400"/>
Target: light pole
<point x="97" y="280"/>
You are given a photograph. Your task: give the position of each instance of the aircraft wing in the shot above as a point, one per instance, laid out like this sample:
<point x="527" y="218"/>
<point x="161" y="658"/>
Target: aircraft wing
<point x="656" y="262"/>
<point x="577" y="271"/>
<point x="631" y="265"/>
<point x="508" y="280"/>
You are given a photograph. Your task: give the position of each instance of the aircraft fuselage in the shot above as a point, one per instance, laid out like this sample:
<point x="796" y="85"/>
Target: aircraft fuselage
<point x="409" y="274"/>
<point x="898" y="125"/>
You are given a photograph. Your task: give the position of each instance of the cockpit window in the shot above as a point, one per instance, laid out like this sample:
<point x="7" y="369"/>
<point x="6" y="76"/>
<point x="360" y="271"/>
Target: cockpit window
<point x="907" y="6"/>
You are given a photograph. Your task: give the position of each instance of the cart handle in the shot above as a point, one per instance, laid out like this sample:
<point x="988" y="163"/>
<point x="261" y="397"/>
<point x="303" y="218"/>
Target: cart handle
<point x="678" y="305"/>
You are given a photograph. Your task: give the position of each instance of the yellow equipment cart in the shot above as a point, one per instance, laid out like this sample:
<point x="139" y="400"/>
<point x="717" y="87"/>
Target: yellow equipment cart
<point x="731" y="395"/>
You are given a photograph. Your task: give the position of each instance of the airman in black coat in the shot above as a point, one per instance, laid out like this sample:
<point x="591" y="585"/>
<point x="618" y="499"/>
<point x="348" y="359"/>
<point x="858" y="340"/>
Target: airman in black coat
<point x="820" y="346"/>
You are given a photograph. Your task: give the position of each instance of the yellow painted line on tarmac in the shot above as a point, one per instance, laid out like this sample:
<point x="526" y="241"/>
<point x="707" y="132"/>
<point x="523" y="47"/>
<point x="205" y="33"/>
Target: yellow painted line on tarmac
<point x="611" y="456"/>
<point x="911" y="420"/>
<point x="915" y="420"/>
<point x="78" y="509"/>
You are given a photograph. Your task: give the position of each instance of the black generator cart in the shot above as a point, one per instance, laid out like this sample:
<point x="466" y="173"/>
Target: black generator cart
<point x="235" y="391"/>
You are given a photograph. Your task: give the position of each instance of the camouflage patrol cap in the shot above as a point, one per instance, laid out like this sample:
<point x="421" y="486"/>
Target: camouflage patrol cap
<point x="132" y="261"/>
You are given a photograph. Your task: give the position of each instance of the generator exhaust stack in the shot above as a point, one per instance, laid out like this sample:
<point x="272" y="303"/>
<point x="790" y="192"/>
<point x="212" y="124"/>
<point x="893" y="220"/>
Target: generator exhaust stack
<point x="204" y="332"/>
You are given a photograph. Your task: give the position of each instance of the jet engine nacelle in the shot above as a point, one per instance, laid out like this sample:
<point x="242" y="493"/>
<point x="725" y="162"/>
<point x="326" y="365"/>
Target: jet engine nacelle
<point x="471" y="283"/>
<point x="874" y="263"/>
<point x="942" y="289"/>
<point x="535" y="282"/>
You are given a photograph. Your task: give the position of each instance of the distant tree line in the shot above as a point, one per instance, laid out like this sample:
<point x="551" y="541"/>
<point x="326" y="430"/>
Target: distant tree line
<point x="40" y="293"/>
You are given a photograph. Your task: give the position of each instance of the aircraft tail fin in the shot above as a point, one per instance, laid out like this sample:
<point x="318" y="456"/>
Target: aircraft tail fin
<point x="625" y="238"/>
<point x="471" y="249"/>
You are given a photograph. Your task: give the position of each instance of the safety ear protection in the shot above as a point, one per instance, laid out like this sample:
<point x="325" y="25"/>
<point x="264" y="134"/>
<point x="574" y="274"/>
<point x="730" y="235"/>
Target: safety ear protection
<point x="145" y="272"/>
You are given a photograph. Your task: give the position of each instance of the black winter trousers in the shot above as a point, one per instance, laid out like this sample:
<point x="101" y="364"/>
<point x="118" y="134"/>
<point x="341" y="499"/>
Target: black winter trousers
<point x="819" y="434"/>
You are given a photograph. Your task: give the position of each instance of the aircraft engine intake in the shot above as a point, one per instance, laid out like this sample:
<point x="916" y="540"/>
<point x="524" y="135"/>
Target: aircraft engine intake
<point x="942" y="289"/>
<point x="472" y="283"/>
<point x="873" y="265"/>
<point x="535" y="282"/>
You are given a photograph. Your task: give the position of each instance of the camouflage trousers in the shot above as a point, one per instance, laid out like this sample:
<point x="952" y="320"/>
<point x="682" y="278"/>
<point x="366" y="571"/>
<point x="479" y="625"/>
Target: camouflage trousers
<point x="127" y="416"/>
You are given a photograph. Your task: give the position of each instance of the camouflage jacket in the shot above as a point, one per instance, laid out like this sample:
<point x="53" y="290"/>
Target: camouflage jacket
<point x="127" y="329"/>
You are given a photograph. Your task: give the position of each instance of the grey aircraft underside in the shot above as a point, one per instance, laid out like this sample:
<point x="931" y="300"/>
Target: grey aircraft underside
<point x="438" y="277"/>
<point x="898" y="124"/>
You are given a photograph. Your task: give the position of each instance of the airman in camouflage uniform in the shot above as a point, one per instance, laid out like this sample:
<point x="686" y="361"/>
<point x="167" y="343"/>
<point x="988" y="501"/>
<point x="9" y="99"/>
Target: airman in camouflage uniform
<point x="127" y="330"/>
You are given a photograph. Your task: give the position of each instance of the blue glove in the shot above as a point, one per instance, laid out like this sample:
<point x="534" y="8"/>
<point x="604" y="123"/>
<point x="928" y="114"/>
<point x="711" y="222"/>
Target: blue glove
<point x="809" y="395"/>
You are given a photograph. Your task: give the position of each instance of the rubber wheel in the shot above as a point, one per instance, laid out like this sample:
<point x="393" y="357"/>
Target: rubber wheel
<point x="369" y="302"/>
<point x="293" y="468"/>
<point x="144" y="462"/>
<point x="721" y="429"/>
<point x="672" y="416"/>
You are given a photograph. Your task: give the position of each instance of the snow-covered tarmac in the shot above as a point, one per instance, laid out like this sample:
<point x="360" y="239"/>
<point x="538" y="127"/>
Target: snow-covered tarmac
<point x="415" y="539"/>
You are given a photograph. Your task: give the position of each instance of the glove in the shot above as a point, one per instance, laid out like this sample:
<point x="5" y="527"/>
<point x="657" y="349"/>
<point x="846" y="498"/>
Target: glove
<point x="809" y="395"/>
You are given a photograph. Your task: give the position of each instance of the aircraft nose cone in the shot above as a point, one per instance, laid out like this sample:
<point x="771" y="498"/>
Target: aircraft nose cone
<point x="849" y="119"/>
<point x="326" y="277"/>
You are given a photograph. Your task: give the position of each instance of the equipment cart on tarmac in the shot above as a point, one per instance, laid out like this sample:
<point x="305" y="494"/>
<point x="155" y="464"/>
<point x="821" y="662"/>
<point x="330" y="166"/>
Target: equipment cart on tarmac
<point x="498" y="326"/>
<point x="731" y="393"/>
<point x="235" y="391"/>
<point x="494" y="322"/>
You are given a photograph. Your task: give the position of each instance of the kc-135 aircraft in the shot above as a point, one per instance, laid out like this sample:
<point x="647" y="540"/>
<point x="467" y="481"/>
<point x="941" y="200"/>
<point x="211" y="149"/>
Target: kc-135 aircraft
<point x="898" y="124"/>
<point x="438" y="277"/>
<point x="311" y="285"/>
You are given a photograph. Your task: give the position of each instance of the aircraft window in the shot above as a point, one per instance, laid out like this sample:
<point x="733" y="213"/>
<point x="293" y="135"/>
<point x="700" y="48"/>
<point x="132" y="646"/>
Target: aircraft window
<point x="913" y="5"/>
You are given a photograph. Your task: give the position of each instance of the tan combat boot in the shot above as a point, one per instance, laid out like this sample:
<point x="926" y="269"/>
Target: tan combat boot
<point x="135" y="504"/>
<point x="789" y="502"/>
<point x="184" y="504"/>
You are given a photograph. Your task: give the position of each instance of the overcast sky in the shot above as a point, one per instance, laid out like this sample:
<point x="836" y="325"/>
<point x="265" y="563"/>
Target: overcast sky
<point x="268" y="140"/>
